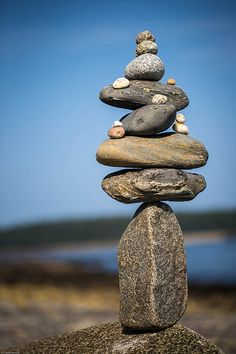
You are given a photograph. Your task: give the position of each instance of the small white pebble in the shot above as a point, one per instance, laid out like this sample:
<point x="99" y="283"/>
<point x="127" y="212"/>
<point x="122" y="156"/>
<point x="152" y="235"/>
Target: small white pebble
<point x="117" y="123"/>
<point x="159" y="99"/>
<point x="180" y="128"/>
<point x="121" y="82"/>
<point x="180" y="118"/>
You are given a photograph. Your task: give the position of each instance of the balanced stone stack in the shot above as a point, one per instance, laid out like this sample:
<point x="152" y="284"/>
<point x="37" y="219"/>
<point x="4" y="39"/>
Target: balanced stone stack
<point x="151" y="258"/>
<point x="152" y="265"/>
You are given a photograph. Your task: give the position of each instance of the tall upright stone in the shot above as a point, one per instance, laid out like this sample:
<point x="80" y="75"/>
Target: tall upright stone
<point x="152" y="269"/>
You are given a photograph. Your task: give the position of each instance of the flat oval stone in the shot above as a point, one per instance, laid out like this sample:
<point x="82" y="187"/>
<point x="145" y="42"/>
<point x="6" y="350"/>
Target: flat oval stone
<point x="169" y="150"/>
<point x="149" y="120"/>
<point x="152" y="270"/>
<point x="153" y="184"/>
<point x="121" y="82"/>
<point x="140" y="93"/>
<point x="145" y="67"/>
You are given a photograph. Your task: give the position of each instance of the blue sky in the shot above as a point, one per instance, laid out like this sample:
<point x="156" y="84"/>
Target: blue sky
<point x="56" y="56"/>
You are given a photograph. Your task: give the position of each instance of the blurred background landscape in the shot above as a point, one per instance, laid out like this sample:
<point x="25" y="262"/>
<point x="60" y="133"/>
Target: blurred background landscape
<point x="58" y="230"/>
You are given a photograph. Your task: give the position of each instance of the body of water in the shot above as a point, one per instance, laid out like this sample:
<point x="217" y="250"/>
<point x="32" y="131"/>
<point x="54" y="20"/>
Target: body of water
<point x="207" y="262"/>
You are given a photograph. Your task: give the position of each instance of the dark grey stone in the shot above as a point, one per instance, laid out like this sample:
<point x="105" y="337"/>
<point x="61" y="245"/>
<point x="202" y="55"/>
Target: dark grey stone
<point x="153" y="184"/>
<point x="149" y="119"/>
<point x="152" y="270"/>
<point x="140" y="93"/>
<point x="109" y="338"/>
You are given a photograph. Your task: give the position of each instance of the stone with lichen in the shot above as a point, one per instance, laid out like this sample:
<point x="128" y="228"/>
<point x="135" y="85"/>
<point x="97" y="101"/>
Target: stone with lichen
<point x="141" y="92"/>
<point x="153" y="184"/>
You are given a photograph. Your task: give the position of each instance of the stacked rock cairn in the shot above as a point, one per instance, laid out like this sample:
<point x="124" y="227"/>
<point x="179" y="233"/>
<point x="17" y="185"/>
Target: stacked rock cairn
<point x="151" y="257"/>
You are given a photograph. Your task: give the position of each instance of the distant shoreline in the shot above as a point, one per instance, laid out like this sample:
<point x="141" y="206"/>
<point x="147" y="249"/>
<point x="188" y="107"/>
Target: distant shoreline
<point x="190" y="238"/>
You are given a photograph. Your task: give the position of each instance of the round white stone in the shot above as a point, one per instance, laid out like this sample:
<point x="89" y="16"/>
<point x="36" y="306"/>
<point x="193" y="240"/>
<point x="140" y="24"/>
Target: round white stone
<point x="180" y="128"/>
<point x="121" y="82"/>
<point x="159" y="99"/>
<point x="117" y="123"/>
<point x="180" y="118"/>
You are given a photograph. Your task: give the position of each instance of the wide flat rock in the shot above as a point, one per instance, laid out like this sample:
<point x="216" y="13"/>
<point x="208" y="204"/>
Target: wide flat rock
<point x="152" y="270"/>
<point x="171" y="150"/>
<point x="141" y="92"/>
<point x="109" y="339"/>
<point x="153" y="184"/>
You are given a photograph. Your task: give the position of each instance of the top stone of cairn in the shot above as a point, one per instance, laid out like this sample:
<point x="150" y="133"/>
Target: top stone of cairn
<point x="145" y="36"/>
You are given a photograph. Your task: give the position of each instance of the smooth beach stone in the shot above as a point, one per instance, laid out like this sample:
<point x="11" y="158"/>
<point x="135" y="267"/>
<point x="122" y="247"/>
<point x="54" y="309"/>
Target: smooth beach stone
<point x="109" y="338"/>
<point x="153" y="184"/>
<point x="140" y="93"/>
<point x="145" y="67"/>
<point x="171" y="81"/>
<point x="152" y="270"/>
<point x="121" y="82"/>
<point x="169" y="150"/>
<point x="117" y="123"/>
<point x="180" y="128"/>
<point x="149" y="119"/>
<point x="146" y="47"/>
<point x="116" y="132"/>
<point x="180" y="118"/>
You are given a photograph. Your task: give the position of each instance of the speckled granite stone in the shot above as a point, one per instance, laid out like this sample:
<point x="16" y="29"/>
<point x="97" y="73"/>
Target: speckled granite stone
<point x="169" y="150"/>
<point x="149" y="120"/>
<point x="140" y="93"/>
<point x="152" y="270"/>
<point x="145" y="67"/>
<point x="153" y="184"/>
<point x="109" y="339"/>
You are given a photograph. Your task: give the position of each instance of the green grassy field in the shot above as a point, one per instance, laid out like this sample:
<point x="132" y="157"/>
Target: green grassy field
<point x="105" y="229"/>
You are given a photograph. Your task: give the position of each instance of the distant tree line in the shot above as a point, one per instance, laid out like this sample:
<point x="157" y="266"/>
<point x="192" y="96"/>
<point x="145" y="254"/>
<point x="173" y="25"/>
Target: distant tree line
<point x="105" y="229"/>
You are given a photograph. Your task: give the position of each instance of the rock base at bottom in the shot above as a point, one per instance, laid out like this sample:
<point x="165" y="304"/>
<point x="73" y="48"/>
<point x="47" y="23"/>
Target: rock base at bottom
<point x="109" y="339"/>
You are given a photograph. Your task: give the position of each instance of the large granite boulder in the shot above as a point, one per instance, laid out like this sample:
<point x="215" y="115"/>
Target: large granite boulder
<point x="141" y="93"/>
<point x="109" y="339"/>
<point x="153" y="184"/>
<point x="171" y="150"/>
